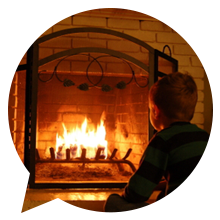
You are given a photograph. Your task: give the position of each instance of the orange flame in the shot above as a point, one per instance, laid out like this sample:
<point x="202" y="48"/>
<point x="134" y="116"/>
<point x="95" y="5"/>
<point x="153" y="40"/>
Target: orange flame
<point x="82" y="137"/>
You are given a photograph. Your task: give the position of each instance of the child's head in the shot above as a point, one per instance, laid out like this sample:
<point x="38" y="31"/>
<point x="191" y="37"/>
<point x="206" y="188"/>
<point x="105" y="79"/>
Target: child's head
<point x="175" y="95"/>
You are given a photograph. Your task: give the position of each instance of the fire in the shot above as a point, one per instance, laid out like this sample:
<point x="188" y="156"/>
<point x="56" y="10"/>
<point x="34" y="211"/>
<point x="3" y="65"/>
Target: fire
<point x="82" y="137"/>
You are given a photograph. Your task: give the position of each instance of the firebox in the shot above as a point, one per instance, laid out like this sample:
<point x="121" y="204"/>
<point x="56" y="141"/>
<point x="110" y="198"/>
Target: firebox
<point x="87" y="126"/>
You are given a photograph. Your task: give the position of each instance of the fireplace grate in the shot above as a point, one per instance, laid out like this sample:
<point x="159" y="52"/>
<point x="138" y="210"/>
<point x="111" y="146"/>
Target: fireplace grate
<point x="82" y="159"/>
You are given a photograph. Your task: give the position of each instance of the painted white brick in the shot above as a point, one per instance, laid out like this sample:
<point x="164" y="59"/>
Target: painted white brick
<point x="198" y="118"/>
<point x="154" y="26"/>
<point x="123" y="23"/>
<point x="196" y="61"/>
<point x="196" y="72"/>
<point x="142" y="35"/>
<point x="123" y="46"/>
<point x="199" y="107"/>
<point x="58" y="43"/>
<point x="200" y="84"/>
<point x="159" y="46"/>
<point x="182" y="60"/>
<point x="184" y="49"/>
<point x="89" y="21"/>
<point x="200" y="96"/>
<point x="170" y="38"/>
<point x="63" y="27"/>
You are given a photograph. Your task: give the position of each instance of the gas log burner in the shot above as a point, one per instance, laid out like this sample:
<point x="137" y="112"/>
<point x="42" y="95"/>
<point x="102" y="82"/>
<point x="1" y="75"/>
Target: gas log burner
<point x="87" y="127"/>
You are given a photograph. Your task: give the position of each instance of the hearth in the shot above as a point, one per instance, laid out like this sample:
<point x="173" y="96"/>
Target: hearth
<point x="87" y="127"/>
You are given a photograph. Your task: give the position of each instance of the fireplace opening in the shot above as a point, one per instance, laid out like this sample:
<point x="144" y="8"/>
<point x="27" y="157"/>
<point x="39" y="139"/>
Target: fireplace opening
<point x="93" y="135"/>
<point x="86" y="122"/>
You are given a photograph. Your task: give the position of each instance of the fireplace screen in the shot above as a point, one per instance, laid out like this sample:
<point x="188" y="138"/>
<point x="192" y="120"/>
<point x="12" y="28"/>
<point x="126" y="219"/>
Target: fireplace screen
<point x="89" y="136"/>
<point x="88" y="127"/>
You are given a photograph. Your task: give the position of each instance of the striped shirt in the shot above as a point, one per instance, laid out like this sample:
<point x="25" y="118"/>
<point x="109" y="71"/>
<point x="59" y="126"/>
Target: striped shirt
<point x="172" y="153"/>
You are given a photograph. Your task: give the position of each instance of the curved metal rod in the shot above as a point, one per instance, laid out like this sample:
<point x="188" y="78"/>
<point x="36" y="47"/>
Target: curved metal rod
<point x="102" y="75"/>
<point x="133" y="73"/>
<point x="94" y="30"/>
<point x="139" y="84"/>
<point x="55" y="69"/>
<point x="87" y="75"/>
<point x="127" y="154"/>
<point x="75" y="51"/>
<point x="167" y="46"/>
<point x="48" y="80"/>
<point x="73" y="55"/>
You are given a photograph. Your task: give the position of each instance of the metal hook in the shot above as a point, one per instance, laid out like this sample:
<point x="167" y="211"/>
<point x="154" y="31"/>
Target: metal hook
<point x="167" y="46"/>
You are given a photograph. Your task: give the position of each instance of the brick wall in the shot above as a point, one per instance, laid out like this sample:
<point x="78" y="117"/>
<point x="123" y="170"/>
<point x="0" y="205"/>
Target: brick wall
<point x="16" y="110"/>
<point x="11" y="91"/>
<point x="147" y="29"/>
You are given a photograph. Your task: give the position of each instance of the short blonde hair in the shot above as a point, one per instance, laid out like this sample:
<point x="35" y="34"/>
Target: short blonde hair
<point x="175" y="95"/>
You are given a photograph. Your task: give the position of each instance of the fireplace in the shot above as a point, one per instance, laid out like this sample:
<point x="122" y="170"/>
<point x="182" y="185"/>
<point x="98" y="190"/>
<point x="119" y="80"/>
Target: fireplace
<point x="87" y="127"/>
<point x="89" y="135"/>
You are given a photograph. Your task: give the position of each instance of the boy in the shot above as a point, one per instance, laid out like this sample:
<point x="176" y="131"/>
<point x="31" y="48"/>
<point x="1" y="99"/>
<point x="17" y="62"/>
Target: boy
<point x="176" y="148"/>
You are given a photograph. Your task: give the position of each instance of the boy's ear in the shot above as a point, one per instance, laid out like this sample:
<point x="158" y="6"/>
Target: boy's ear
<point x="156" y="112"/>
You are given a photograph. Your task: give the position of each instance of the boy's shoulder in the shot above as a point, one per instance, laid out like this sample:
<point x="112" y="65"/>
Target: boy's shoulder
<point x="179" y="128"/>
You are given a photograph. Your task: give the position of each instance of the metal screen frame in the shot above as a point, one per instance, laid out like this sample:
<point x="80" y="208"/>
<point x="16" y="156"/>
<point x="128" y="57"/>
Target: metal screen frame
<point x="28" y="68"/>
<point x="32" y="87"/>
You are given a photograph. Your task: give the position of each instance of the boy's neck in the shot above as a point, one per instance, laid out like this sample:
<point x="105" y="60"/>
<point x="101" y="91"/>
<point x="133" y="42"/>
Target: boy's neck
<point x="166" y="122"/>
